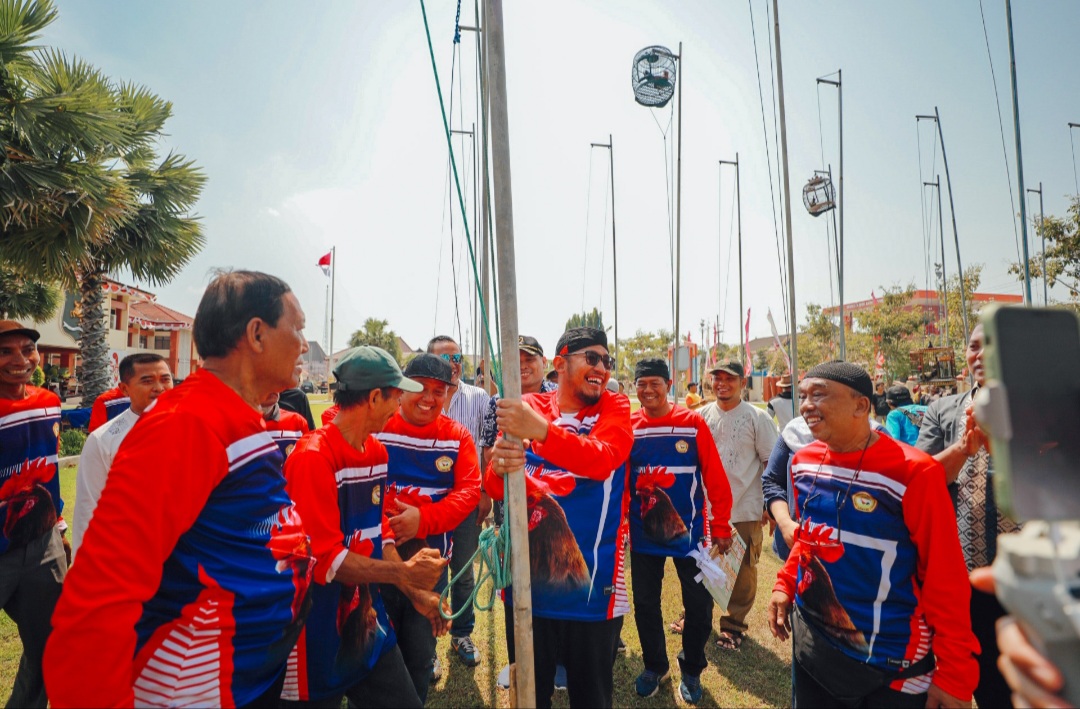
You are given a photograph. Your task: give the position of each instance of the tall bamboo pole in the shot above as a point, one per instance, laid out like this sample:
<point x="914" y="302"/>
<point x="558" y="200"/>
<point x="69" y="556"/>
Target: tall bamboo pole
<point x="504" y="231"/>
<point x="792" y="323"/>
<point x="678" y="225"/>
<point x="1019" y="158"/>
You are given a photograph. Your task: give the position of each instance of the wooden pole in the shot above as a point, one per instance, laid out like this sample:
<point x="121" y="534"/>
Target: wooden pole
<point x="485" y="259"/>
<point x="333" y="286"/>
<point x="792" y="322"/>
<point x="1019" y="160"/>
<point x="525" y="682"/>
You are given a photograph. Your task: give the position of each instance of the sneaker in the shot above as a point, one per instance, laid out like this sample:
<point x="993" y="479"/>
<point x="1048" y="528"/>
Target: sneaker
<point x="504" y="677"/>
<point x="648" y="683"/>
<point x="436" y="670"/>
<point x="560" y="677"/>
<point x="690" y="689"/>
<point x="466" y="650"/>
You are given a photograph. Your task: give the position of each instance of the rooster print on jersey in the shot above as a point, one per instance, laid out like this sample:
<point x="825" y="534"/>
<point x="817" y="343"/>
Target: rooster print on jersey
<point x="660" y="521"/>
<point x="291" y="548"/>
<point x="818" y="544"/>
<point x="25" y="505"/>
<point x="356" y="618"/>
<point x="415" y="497"/>
<point x="554" y="557"/>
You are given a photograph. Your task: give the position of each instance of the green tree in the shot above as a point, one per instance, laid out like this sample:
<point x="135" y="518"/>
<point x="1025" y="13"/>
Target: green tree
<point x="643" y="345"/>
<point x="895" y="328"/>
<point x="88" y="194"/>
<point x="592" y="319"/>
<point x="24" y="299"/>
<point x="377" y="333"/>
<point x="1062" y="236"/>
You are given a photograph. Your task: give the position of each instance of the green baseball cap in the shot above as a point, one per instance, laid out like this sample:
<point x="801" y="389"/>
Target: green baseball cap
<point x="366" y="368"/>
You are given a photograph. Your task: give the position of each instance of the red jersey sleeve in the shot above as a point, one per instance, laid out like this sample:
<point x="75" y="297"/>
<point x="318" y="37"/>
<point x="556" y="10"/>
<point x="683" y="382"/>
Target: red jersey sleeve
<point x="98" y="414"/>
<point x="931" y="520"/>
<point x="309" y="480"/>
<point x="139" y="518"/>
<point x="715" y="478"/>
<point x="787" y="576"/>
<point x="596" y="455"/>
<point x="493" y="482"/>
<point x="446" y="514"/>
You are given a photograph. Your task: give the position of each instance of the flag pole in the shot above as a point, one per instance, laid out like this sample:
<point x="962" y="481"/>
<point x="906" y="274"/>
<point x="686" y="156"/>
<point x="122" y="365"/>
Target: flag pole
<point x="333" y="278"/>
<point x="517" y="517"/>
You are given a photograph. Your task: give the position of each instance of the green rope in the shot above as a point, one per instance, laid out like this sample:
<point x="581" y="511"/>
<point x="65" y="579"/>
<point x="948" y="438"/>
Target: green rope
<point x="494" y="552"/>
<point x="460" y="195"/>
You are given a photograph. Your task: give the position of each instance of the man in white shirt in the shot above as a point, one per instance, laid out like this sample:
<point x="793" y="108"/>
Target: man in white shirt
<point x="745" y="436"/>
<point x="143" y="378"/>
<point x="467" y="405"/>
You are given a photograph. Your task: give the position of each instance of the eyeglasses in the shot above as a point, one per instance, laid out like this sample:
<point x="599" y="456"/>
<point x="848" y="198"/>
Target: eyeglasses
<point x="595" y="358"/>
<point x="455" y="358"/>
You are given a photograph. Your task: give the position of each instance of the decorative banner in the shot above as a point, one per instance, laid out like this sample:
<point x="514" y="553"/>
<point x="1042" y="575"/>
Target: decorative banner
<point x="776" y="339"/>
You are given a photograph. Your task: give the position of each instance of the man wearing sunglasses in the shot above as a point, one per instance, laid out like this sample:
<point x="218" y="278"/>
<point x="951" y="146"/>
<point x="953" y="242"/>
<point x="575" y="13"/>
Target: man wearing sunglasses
<point x="876" y="572"/>
<point x="467" y="405"/>
<point x="579" y="438"/>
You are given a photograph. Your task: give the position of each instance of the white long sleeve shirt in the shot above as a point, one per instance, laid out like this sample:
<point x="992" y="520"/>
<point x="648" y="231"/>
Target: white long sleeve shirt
<point x="94" y="463"/>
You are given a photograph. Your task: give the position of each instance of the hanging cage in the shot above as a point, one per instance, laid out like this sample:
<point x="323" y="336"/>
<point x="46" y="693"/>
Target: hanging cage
<point x="653" y="76"/>
<point x="934" y="365"/>
<point x="818" y="195"/>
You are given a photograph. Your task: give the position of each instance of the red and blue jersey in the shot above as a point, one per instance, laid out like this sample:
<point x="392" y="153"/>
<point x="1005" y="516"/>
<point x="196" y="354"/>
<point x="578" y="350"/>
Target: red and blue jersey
<point x="29" y="482"/>
<point x="434" y="468"/>
<point x="577" y="496"/>
<point x="286" y="430"/>
<point x="107" y="406"/>
<point x="192" y="584"/>
<point x="674" y="467"/>
<point x="887" y="593"/>
<point x="339" y="491"/>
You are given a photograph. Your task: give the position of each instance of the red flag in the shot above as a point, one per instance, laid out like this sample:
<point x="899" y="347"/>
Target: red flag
<point x="746" y="343"/>
<point x="324" y="264"/>
<point x="873" y="298"/>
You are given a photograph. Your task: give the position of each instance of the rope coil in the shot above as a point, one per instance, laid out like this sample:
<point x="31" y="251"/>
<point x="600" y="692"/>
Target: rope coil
<point x="494" y="552"/>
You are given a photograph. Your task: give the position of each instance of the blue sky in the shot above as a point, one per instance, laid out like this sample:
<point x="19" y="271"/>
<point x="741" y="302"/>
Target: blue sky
<point x="318" y="125"/>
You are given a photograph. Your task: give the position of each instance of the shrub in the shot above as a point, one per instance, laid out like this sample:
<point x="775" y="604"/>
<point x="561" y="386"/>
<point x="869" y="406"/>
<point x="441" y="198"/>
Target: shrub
<point x="38" y="377"/>
<point x="71" y="442"/>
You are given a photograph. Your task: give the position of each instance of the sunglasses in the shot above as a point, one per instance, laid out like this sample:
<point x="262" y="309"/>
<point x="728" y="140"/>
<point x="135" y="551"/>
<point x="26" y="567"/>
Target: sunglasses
<point x="455" y="358"/>
<point x="595" y="358"/>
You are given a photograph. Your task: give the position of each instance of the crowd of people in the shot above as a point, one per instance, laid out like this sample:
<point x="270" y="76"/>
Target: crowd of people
<point x="225" y="554"/>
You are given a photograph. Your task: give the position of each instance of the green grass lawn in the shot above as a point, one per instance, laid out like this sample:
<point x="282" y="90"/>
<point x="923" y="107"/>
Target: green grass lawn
<point x="756" y="676"/>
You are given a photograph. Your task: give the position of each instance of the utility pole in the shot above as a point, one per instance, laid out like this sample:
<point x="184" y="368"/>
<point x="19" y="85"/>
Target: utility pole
<point x="792" y="344"/>
<point x="840" y="232"/>
<point x="678" y="225"/>
<point x="1072" y="147"/>
<point x="1019" y="157"/>
<point x="738" y="209"/>
<point x="936" y="118"/>
<point x="517" y="515"/>
<point x="1042" y="236"/>
<point x="614" y="254"/>
<point x="944" y="281"/>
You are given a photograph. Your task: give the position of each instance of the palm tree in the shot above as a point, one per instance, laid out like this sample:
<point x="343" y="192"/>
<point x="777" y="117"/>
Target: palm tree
<point x="377" y="333"/>
<point x="25" y="299"/>
<point x="86" y="194"/>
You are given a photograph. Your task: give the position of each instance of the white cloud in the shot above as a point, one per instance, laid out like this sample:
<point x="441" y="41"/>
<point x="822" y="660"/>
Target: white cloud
<point x="273" y="213"/>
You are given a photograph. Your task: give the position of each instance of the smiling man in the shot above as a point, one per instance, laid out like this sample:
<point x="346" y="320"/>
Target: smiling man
<point x="197" y="558"/>
<point x="876" y="572"/>
<point x="744" y="436"/>
<point x="433" y="486"/>
<point x="674" y="467"/>
<point x="579" y="441"/>
<point x="950" y="433"/>
<point x="143" y="378"/>
<point x="32" y="558"/>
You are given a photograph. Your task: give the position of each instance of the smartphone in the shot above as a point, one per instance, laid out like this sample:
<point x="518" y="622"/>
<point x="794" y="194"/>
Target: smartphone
<point x="1033" y="354"/>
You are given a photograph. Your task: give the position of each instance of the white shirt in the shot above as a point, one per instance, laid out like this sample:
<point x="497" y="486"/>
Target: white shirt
<point x="468" y="406"/>
<point x="94" y="463"/>
<point x="745" y="437"/>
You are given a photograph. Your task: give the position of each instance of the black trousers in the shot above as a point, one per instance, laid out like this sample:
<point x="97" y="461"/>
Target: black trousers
<point x="387" y="685"/>
<point x="587" y="648"/>
<point x="647" y="579"/>
<point x="992" y="691"/>
<point x="808" y="693"/>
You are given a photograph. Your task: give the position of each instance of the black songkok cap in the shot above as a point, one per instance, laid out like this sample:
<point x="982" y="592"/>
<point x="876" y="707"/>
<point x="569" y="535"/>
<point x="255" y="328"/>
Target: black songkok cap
<point x="578" y="338"/>
<point x="848" y="374"/>
<point x="652" y="368"/>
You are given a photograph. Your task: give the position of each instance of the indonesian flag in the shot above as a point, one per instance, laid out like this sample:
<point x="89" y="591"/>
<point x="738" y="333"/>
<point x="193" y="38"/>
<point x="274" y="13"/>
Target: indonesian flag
<point x="746" y="342"/>
<point x="873" y="298"/>
<point x="324" y="264"/>
<point x="880" y="359"/>
<point x="776" y="338"/>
